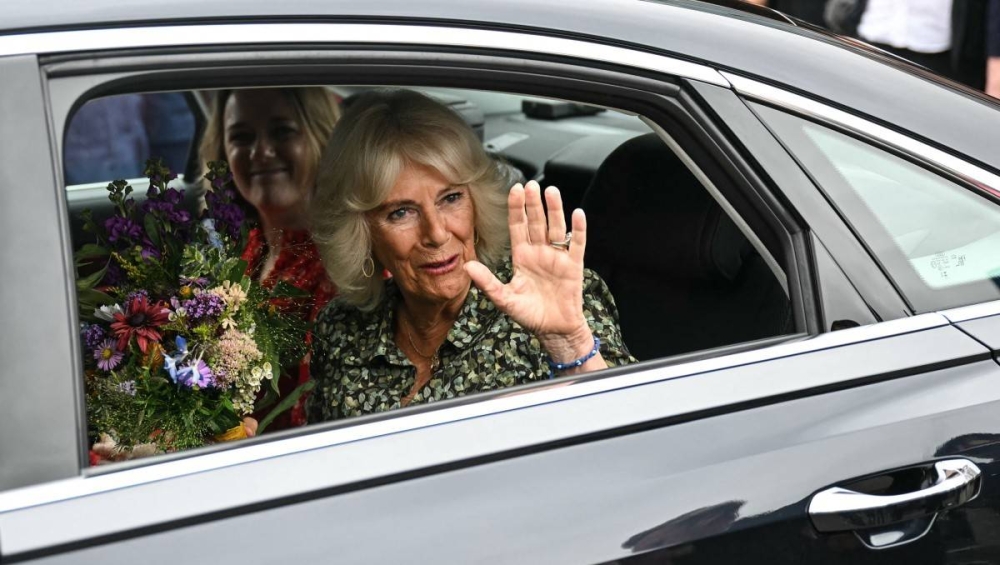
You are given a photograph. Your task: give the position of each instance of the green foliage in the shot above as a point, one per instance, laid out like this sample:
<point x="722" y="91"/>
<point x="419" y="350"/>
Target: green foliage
<point x="285" y="404"/>
<point x="170" y="258"/>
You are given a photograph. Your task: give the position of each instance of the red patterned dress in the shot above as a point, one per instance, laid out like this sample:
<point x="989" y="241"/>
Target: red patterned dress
<point x="299" y="265"/>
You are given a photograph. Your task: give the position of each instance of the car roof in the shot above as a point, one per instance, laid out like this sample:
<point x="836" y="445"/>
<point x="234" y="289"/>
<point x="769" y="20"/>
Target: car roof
<point x="727" y="34"/>
<point x="23" y="15"/>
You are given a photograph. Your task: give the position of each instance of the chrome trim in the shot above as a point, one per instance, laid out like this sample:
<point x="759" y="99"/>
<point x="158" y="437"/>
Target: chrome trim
<point x="334" y="33"/>
<point x="966" y="313"/>
<point x="981" y="178"/>
<point x="755" y="241"/>
<point x="561" y="389"/>
<point x="836" y="509"/>
<point x="841" y="510"/>
<point x="138" y="181"/>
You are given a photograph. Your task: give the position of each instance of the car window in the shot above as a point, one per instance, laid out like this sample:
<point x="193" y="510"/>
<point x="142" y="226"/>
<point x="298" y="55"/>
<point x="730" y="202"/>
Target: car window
<point x="186" y="342"/>
<point x="938" y="240"/>
<point x="110" y="138"/>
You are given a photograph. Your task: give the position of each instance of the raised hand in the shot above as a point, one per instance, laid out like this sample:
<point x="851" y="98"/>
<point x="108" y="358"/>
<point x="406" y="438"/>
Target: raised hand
<point x="545" y="294"/>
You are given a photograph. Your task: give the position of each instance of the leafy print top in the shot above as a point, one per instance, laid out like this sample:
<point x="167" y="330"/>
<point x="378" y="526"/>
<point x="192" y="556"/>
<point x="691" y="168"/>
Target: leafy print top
<point x="359" y="369"/>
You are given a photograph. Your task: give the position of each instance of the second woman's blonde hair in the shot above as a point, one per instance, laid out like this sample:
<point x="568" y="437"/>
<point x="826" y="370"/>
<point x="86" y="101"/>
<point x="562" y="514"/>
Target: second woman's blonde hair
<point x="316" y="109"/>
<point x="379" y="135"/>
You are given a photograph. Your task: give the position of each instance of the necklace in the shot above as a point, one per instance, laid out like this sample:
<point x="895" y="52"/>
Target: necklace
<point x="434" y="359"/>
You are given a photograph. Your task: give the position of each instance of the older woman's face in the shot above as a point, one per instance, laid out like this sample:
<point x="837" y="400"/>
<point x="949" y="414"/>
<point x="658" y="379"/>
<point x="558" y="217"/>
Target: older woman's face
<point x="268" y="152"/>
<point x="423" y="233"/>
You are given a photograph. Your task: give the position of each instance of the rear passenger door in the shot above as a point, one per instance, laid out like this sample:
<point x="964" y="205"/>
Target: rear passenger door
<point x="719" y="460"/>
<point x="717" y="456"/>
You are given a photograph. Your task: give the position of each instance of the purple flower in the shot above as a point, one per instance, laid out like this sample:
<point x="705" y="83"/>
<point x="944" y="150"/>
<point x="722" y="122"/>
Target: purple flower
<point x="149" y="251"/>
<point x="196" y="374"/>
<point x="114" y="275"/>
<point x="200" y="282"/>
<point x="119" y="228"/>
<point x="142" y="293"/>
<point x="219" y="182"/>
<point x="204" y="305"/>
<point x="107" y="355"/>
<point x="228" y="215"/>
<point x="172" y="196"/>
<point x="166" y="205"/>
<point x="190" y="374"/>
<point x="93" y="335"/>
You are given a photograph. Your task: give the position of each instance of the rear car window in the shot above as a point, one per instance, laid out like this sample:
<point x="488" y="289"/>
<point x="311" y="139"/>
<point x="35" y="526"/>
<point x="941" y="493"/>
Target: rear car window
<point x="110" y="138"/>
<point x="939" y="241"/>
<point x="186" y="343"/>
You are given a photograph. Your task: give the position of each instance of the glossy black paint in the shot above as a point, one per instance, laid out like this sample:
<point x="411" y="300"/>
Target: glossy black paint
<point x="726" y="484"/>
<point x="726" y="489"/>
<point x="854" y="77"/>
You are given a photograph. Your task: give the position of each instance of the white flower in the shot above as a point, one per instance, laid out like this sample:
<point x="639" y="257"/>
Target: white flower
<point x="268" y="371"/>
<point x="228" y="323"/>
<point x="177" y="314"/>
<point x="107" y="313"/>
<point x="234" y="294"/>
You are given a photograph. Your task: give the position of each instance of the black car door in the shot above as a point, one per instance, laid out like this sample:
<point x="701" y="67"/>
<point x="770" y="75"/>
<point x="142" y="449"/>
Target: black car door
<point x="719" y="459"/>
<point x="729" y="456"/>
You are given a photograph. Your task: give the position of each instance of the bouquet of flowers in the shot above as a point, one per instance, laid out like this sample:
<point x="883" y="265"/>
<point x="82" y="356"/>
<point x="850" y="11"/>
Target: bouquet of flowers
<point x="178" y="339"/>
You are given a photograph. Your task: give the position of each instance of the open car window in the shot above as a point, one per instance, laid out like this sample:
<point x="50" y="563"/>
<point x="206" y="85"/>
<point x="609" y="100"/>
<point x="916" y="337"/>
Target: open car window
<point x="110" y="138"/>
<point x="183" y="340"/>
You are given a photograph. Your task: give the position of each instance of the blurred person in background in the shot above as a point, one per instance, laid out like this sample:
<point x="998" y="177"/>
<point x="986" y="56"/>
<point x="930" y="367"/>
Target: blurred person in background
<point x="993" y="49"/>
<point x="945" y="36"/>
<point x="111" y="138"/>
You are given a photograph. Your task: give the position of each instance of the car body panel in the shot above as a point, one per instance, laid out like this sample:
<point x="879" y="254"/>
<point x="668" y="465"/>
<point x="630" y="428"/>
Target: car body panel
<point x="685" y="498"/>
<point x="986" y="330"/>
<point x="40" y="386"/>
<point x="700" y="459"/>
<point x="854" y="76"/>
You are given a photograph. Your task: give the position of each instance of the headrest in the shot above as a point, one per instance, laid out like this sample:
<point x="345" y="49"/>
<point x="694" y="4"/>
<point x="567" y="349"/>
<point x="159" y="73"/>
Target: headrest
<point x="647" y="212"/>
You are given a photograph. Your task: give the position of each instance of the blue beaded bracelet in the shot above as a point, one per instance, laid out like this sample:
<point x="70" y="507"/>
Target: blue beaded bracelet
<point x="553" y="366"/>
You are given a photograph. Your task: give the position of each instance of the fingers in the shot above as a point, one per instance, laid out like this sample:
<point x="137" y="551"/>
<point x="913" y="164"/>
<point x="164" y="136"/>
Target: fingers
<point x="536" y="214"/>
<point x="250" y="426"/>
<point x="579" y="245"/>
<point x="527" y="217"/>
<point x="487" y="282"/>
<point x="517" y="221"/>
<point x="557" y="221"/>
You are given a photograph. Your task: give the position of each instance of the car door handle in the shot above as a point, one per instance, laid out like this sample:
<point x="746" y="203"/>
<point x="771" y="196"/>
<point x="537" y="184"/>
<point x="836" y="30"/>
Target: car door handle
<point x="838" y="509"/>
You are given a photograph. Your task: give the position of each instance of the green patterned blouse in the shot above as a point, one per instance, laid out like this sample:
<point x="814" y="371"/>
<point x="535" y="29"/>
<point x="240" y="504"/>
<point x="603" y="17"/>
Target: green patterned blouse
<point x="359" y="369"/>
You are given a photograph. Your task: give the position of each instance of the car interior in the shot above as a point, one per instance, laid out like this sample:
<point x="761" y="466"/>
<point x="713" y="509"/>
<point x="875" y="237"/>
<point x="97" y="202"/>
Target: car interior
<point x="685" y="277"/>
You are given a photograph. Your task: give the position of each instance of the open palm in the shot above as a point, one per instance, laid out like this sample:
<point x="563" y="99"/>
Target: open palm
<point x="545" y="294"/>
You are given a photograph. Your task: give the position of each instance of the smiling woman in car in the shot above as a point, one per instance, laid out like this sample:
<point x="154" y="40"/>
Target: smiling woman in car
<point x="481" y="296"/>
<point x="272" y="139"/>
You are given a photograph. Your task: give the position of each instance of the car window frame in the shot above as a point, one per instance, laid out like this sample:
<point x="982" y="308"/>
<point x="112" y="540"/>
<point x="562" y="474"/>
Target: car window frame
<point x="101" y="77"/>
<point x="960" y="172"/>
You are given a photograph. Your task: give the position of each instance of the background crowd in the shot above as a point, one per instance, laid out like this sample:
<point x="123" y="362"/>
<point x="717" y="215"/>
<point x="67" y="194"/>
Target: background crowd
<point x="959" y="39"/>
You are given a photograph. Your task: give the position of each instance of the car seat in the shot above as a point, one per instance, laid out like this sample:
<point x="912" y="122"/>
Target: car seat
<point x="683" y="275"/>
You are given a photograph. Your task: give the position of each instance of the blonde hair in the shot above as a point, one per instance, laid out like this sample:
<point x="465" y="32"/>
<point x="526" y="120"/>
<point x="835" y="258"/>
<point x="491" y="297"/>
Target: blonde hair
<point x="380" y="134"/>
<point x="315" y="107"/>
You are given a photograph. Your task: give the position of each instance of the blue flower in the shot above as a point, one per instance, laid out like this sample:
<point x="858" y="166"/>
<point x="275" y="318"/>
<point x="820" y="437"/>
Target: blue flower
<point x="171" y="362"/>
<point x="213" y="236"/>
